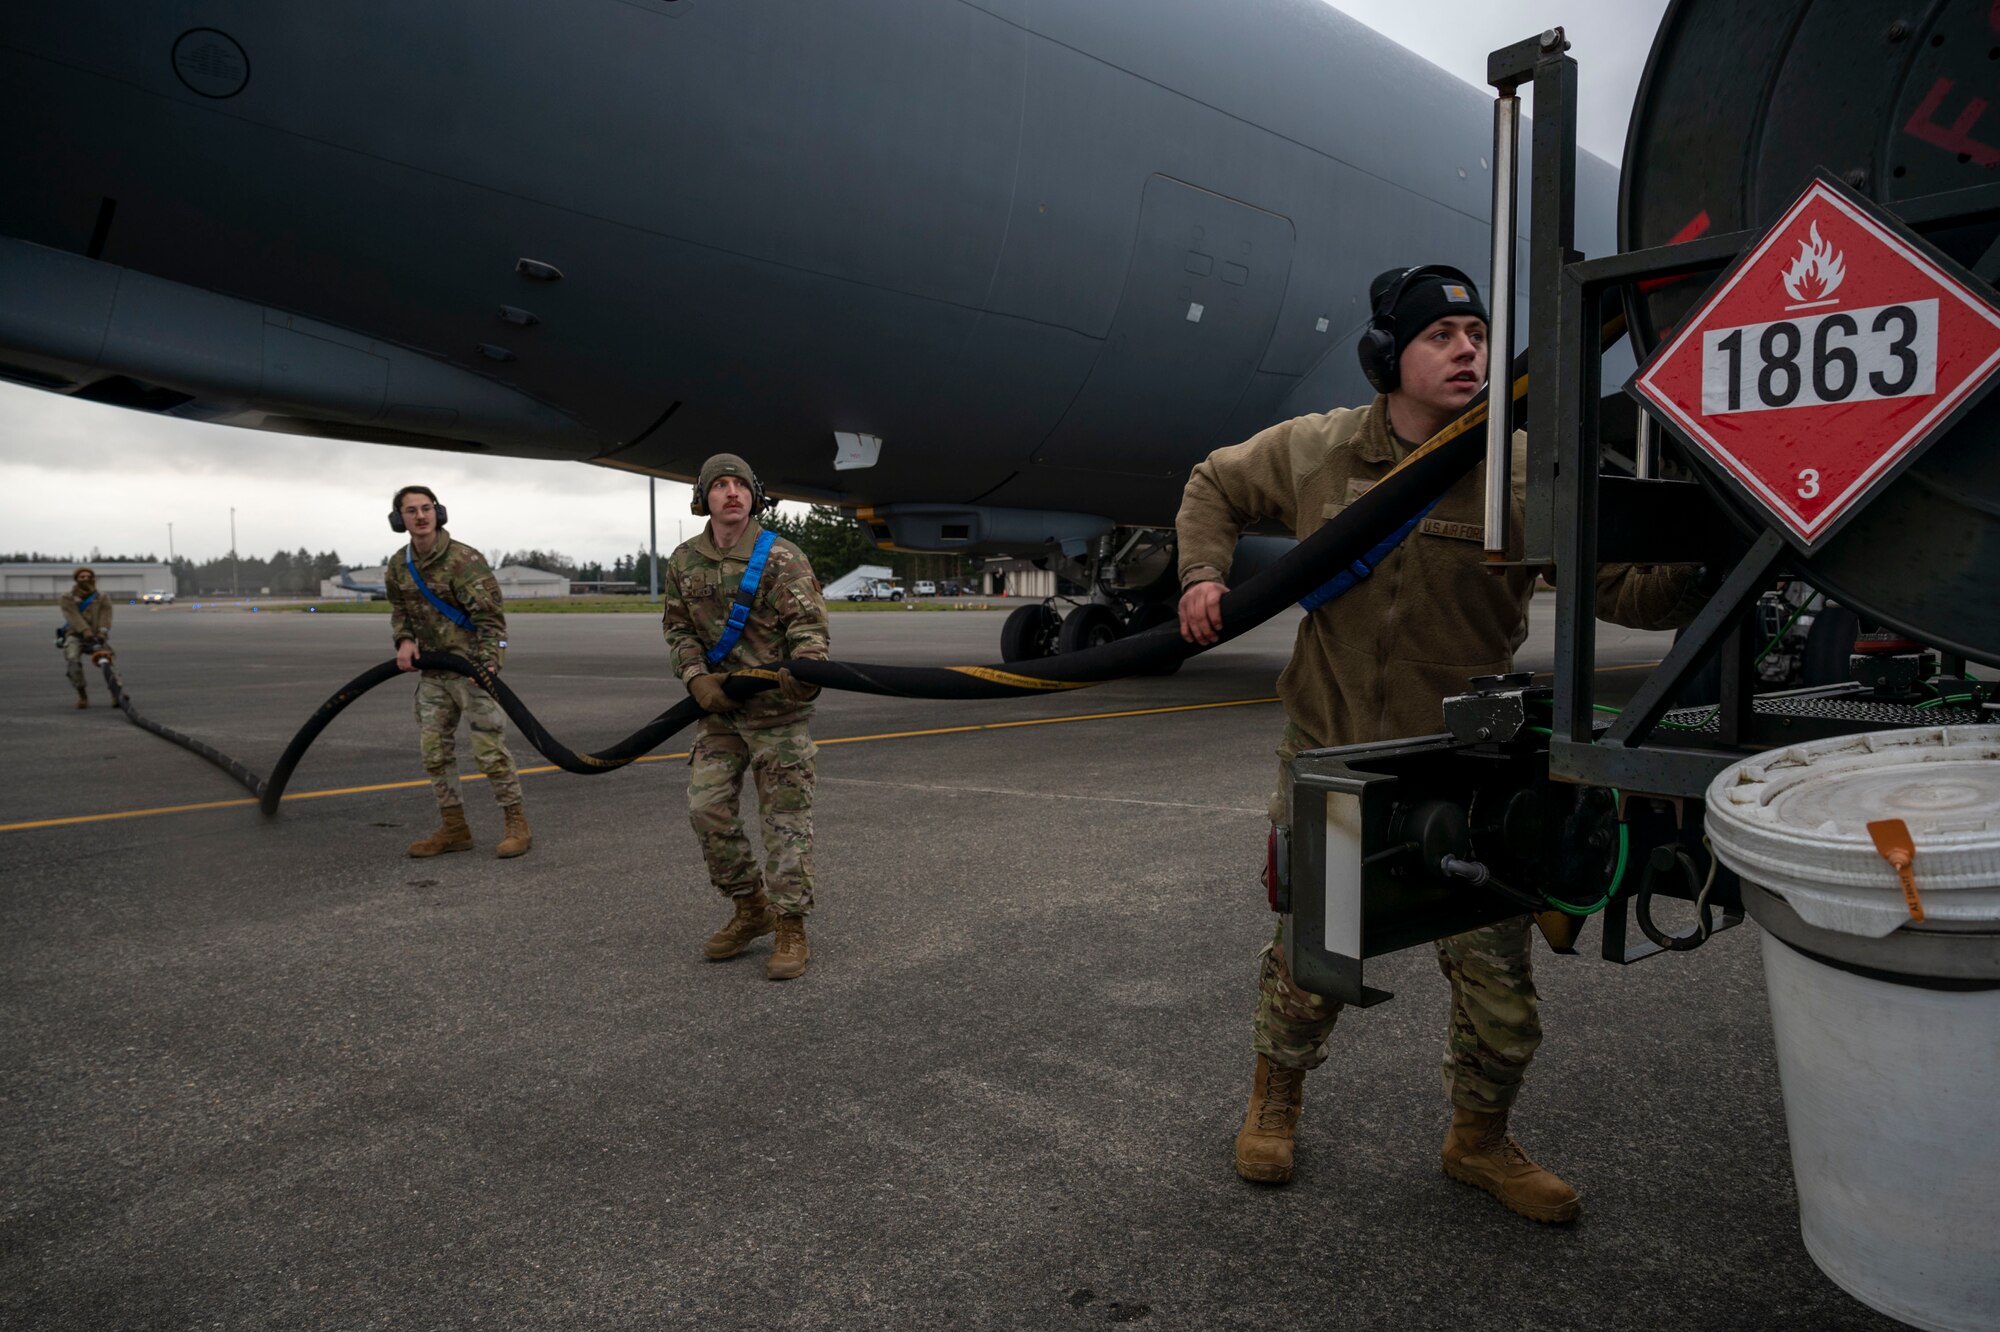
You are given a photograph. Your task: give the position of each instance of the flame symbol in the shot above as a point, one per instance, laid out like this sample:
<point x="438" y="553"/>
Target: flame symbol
<point x="1818" y="271"/>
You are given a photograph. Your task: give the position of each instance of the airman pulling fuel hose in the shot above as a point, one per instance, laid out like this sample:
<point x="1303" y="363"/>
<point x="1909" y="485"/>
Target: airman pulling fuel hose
<point x="1427" y="473"/>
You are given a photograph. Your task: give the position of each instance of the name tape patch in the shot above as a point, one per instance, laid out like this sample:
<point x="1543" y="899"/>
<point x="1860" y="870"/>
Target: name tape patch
<point x="1456" y="531"/>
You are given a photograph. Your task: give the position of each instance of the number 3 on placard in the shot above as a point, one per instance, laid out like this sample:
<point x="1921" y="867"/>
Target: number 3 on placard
<point x="1809" y="483"/>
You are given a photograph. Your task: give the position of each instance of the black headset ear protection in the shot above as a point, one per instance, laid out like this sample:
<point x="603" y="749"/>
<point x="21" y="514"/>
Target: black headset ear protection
<point x="699" y="504"/>
<point x="396" y="523"/>
<point x="1377" y="348"/>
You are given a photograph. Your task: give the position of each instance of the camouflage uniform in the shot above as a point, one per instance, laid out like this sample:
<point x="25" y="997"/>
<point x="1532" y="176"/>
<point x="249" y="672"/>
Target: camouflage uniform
<point x="767" y="735"/>
<point x="1375" y="665"/>
<point x="92" y="622"/>
<point x="460" y="577"/>
<point x="1495" y="1013"/>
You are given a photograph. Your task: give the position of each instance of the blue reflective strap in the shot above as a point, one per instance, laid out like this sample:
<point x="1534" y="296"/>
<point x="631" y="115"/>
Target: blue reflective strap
<point x="1344" y="581"/>
<point x="746" y="592"/>
<point x="85" y="603"/>
<point x="452" y="613"/>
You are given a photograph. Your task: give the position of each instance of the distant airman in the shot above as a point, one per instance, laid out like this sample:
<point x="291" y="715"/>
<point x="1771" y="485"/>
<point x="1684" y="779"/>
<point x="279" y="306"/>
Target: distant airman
<point x="443" y="597"/>
<point x="86" y="628"/>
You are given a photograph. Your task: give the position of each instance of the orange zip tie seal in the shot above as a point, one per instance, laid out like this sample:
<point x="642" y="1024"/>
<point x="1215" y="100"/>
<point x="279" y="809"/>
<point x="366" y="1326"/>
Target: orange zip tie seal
<point x="1894" y="844"/>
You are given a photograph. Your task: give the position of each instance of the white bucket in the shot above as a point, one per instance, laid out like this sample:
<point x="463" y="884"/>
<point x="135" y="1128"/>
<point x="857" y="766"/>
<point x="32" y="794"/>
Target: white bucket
<point x="1887" y="1032"/>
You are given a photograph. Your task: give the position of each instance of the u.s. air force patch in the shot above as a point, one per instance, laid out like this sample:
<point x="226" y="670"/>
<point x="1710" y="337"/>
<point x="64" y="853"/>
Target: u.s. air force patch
<point x="1456" y="531"/>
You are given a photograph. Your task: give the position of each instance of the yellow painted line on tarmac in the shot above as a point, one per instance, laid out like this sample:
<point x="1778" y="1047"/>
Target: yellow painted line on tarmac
<point x="123" y="814"/>
<point x="648" y="758"/>
<point x="1045" y="721"/>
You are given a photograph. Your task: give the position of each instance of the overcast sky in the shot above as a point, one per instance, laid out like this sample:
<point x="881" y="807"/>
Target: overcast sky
<point x="74" y="476"/>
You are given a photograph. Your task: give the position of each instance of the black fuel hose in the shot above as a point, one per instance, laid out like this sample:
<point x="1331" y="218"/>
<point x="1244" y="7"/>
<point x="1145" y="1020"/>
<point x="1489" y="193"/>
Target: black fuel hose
<point x="1427" y="473"/>
<point x="642" y="741"/>
<point x="123" y="702"/>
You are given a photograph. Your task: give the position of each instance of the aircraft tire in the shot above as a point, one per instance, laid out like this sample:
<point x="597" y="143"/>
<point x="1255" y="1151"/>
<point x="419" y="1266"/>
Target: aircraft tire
<point x="1028" y="634"/>
<point x="1088" y="627"/>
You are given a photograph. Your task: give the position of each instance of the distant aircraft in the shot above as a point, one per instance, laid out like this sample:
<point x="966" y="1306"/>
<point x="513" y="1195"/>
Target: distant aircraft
<point x="992" y="274"/>
<point x="376" y="591"/>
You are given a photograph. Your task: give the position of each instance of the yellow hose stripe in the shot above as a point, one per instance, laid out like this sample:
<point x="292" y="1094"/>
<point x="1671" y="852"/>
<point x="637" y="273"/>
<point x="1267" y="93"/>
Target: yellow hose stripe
<point x="1475" y="417"/>
<point x="1021" y="681"/>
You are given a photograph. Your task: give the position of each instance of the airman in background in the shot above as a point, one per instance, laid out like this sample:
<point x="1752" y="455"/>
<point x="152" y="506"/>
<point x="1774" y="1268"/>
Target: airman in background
<point x="87" y="619"/>
<point x="1375" y="665"/>
<point x="443" y="597"/>
<point x="735" y="565"/>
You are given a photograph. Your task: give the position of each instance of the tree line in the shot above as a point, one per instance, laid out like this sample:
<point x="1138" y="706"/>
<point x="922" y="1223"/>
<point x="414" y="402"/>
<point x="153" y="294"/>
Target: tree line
<point x="836" y="543"/>
<point x="830" y="537"/>
<point x="288" y="573"/>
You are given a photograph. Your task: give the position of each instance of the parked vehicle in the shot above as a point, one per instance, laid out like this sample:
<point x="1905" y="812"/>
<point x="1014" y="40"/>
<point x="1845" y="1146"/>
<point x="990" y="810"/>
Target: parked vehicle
<point x="924" y="588"/>
<point x="878" y="589"/>
<point x="156" y="598"/>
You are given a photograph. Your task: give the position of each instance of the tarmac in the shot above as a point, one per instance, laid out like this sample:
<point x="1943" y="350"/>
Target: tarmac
<point x="274" y="1074"/>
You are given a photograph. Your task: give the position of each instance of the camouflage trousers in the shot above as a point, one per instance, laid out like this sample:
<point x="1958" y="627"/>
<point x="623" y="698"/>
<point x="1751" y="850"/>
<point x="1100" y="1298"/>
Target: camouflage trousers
<point x="780" y="761"/>
<point x="1495" y="1014"/>
<point x="440" y="703"/>
<point x="73" y="655"/>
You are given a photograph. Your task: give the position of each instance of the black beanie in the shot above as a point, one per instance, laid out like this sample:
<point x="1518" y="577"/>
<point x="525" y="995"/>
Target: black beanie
<point x="1428" y="298"/>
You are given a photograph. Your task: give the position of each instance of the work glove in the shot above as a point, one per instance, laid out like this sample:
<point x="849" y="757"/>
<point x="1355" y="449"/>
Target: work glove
<point x="794" y="689"/>
<point x="708" y="691"/>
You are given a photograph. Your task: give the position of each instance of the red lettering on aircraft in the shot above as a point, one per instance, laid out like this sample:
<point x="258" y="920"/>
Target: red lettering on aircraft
<point x="1958" y="138"/>
<point x="1695" y="227"/>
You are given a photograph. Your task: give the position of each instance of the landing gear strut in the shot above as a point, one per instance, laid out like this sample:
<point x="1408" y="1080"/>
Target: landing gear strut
<point x="1130" y="575"/>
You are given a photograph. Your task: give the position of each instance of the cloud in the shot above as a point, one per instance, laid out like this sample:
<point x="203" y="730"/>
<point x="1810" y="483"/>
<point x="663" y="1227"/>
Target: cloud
<point x="77" y="475"/>
<point x="1610" y="40"/>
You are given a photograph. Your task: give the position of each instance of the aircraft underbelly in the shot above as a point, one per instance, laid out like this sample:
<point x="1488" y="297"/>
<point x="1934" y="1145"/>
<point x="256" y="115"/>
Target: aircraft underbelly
<point x="1047" y="255"/>
<point x="1201" y="296"/>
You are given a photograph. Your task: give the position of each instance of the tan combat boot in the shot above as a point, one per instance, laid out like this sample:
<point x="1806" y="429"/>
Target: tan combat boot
<point x="1264" y="1143"/>
<point x="789" y="953"/>
<point x="451" y="834"/>
<point x="83" y="698"/>
<point x="1481" y="1152"/>
<point x="753" y="920"/>
<point x="516" y="840"/>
